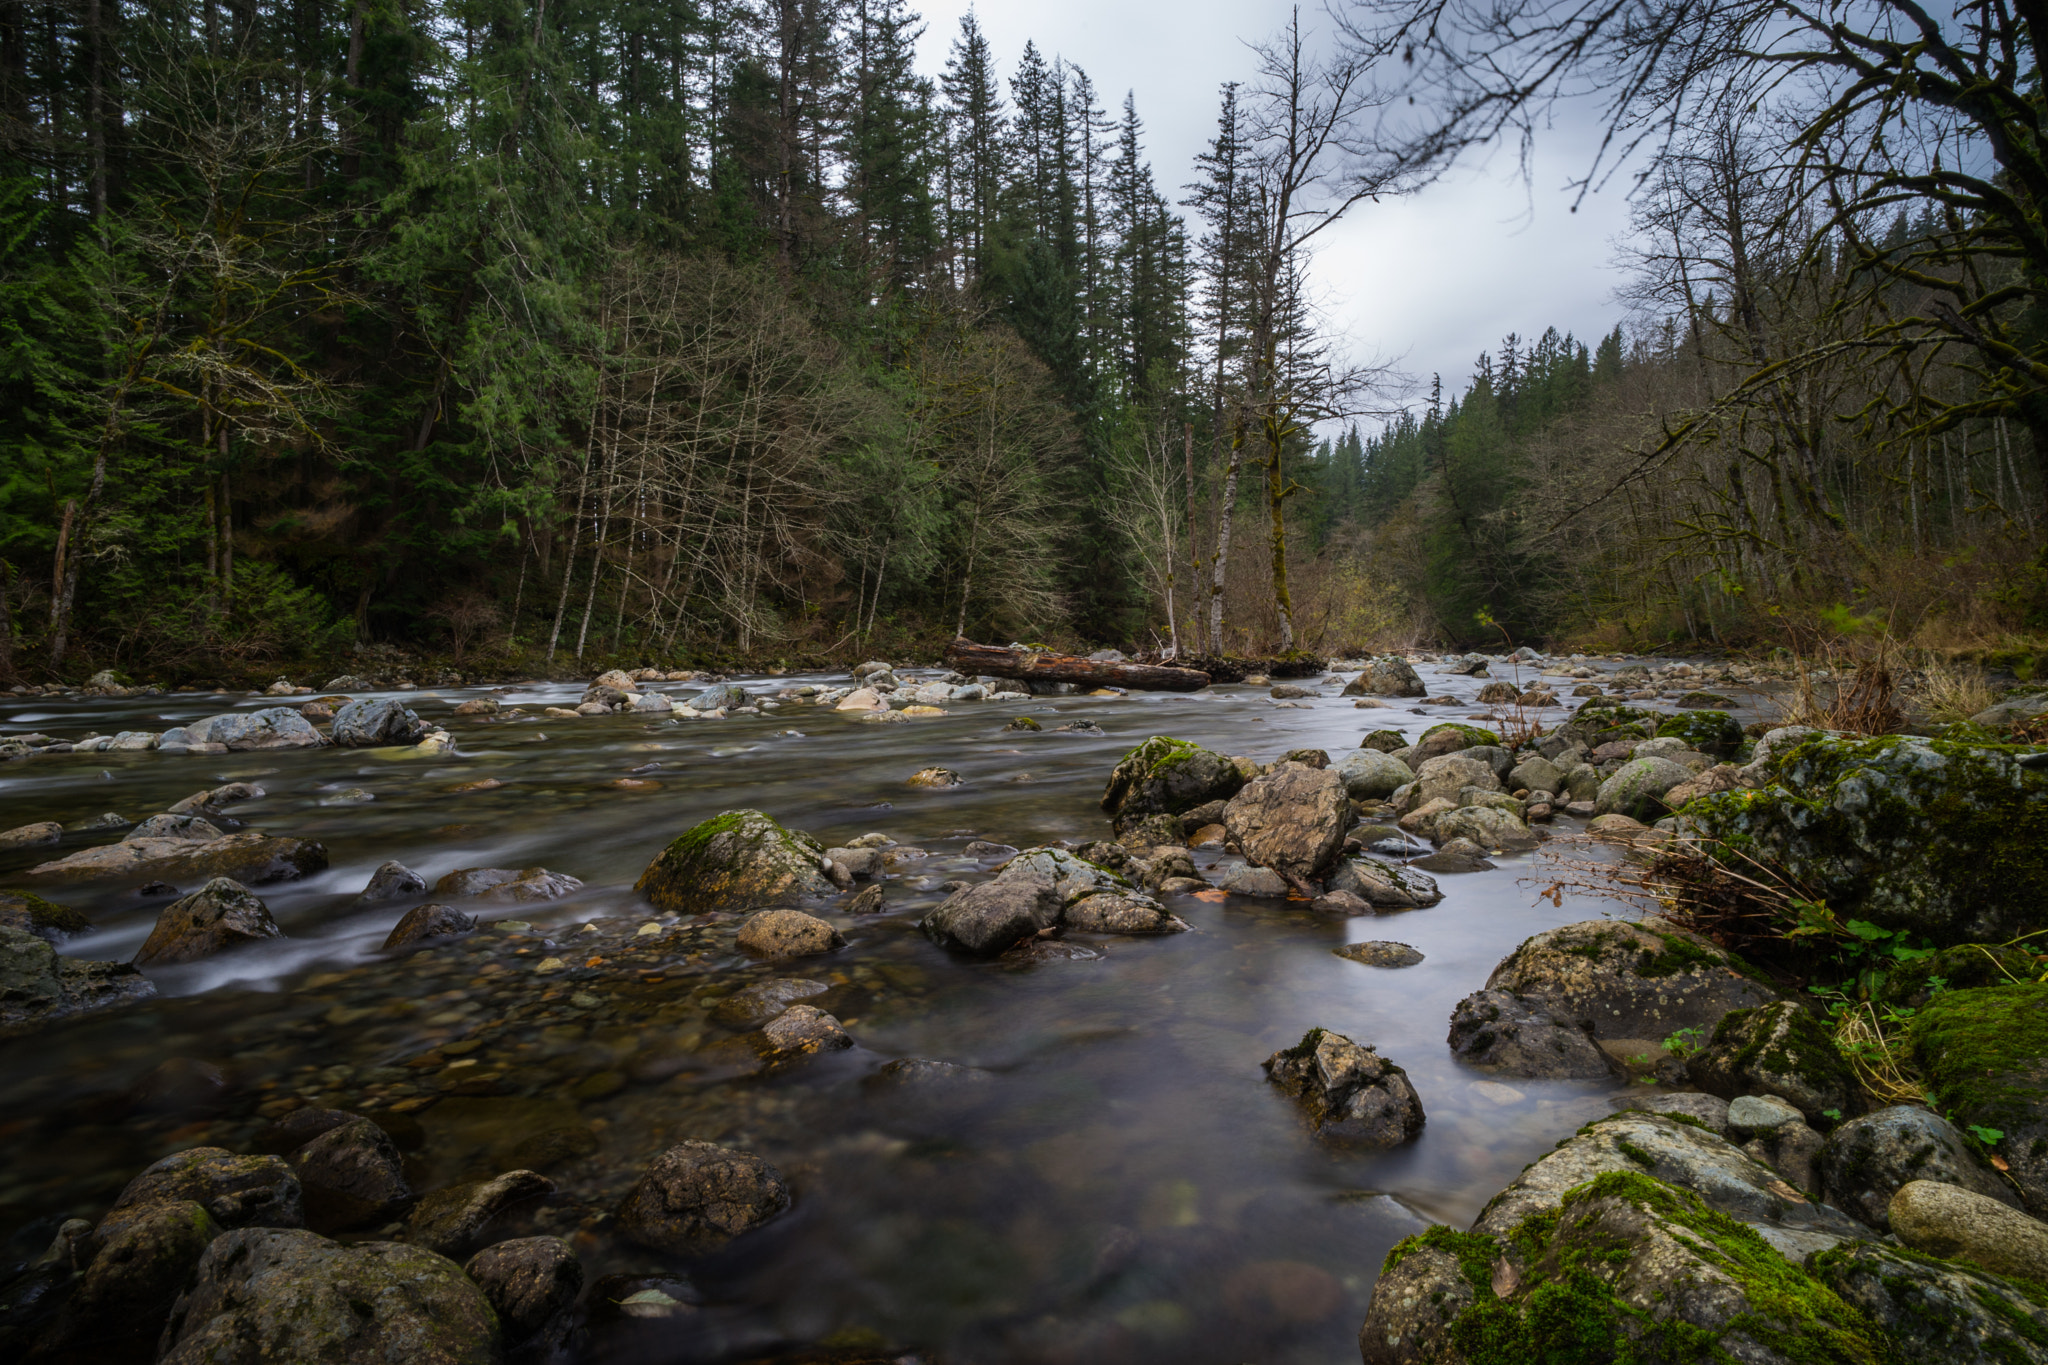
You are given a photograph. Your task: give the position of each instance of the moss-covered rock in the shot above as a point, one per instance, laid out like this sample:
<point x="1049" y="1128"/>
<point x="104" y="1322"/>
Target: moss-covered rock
<point x="249" y="856"/>
<point x="1966" y="966"/>
<point x="143" y="1256"/>
<point x="1167" y="776"/>
<point x="1386" y="741"/>
<point x="1710" y="732"/>
<point x="1985" y="1056"/>
<point x="45" y="919"/>
<point x="1626" y="1268"/>
<point x="1637" y="788"/>
<point x="1626" y="980"/>
<point x="1778" y="1049"/>
<point x="1947" y="840"/>
<point x="38" y="986"/>
<point x="1935" y="1310"/>
<point x="1448" y="737"/>
<point x="736" y="860"/>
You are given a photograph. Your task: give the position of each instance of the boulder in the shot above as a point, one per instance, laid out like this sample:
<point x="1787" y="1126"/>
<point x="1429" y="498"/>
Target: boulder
<point x="1370" y="775"/>
<point x="1386" y="677"/>
<point x="1777" y="1049"/>
<point x="1379" y="953"/>
<point x="1749" y="1115"/>
<point x="273" y="727"/>
<point x="237" y="1191"/>
<point x="1487" y="826"/>
<point x="39" y="986"/>
<point x="1869" y="1159"/>
<point x="1165" y="776"/>
<point x="1385" y="885"/>
<point x="1514" y="1037"/>
<point x="215" y="797"/>
<point x="45" y="919"/>
<point x="31" y="836"/>
<point x="503" y="886"/>
<point x="697" y="1196"/>
<point x="989" y="917"/>
<point x="1894" y="831"/>
<point x="248" y="857"/>
<point x="266" y="1294"/>
<point x="752" y="1006"/>
<point x="779" y="934"/>
<point x="1291" y="820"/>
<point x="191" y="828"/>
<point x="1637" y="787"/>
<point x="390" y="882"/>
<point x="143" y="1256"/>
<point x="1350" y="1094"/>
<point x="1937" y="1310"/>
<point x="1961" y="1225"/>
<point x="1626" y="980"/>
<point x="531" y="1283"/>
<point x="1984" y="1054"/>
<point x="718" y="697"/>
<point x="651" y="704"/>
<point x="736" y="860"/>
<point x="1446" y="776"/>
<point x="1385" y="741"/>
<point x="1793" y="1151"/>
<point x="428" y="923"/>
<point x="1709" y="1111"/>
<point x="1121" y="913"/>
<point x="1537" y="774"/>
<point x="802" y="1030"/>
<point x="1710" y="732"/>
<point x="456" y="1221"/>
<point x="374" y="723"/>
<point x="352" y="1176"/>
<point x="221" y="915"/>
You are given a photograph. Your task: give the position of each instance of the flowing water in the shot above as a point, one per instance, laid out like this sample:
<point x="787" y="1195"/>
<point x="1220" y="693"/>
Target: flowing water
<point x="1124" y="1187"/>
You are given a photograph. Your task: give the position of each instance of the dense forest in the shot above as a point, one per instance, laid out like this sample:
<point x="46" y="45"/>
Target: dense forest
<point x="715" y="329"/>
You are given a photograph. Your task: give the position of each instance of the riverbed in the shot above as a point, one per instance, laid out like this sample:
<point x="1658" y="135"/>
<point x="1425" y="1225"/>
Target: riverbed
<point x="1122" y="1186"/>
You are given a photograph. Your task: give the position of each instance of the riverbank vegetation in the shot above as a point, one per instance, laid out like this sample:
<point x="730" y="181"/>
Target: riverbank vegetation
<point x="564" y="335"/>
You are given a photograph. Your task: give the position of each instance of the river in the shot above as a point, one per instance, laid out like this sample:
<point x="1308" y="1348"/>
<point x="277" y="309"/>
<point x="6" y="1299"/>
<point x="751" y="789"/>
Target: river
<point x="1126" y="1187"/>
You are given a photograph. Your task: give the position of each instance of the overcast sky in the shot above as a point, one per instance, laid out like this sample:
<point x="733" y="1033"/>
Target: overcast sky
<point x="1430" y="281"/>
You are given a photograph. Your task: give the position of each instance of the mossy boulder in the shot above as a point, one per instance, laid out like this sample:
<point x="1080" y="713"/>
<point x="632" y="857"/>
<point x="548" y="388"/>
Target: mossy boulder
<point x="736" y="860"/>
<point x="1945" y="840"/>
<point x="39" y="986"/>
<point x="45" y="919"/>
<point x="142" y="1258"/>
<point x="1966" y="966"/>
<point x="1710" y="732"/>
<point x="1778" y="1049"/>
<point x="1594" y="726"/>
<point x="1167" y="776"/>
<point x="1449" y="737"/>
<point x="1637" y="788"/>
<point x="1935" y="1310"/>
<point x="1623" y="980"/>
<point x="1386" y="741"/>
<point x="249" y="856"/>
<point x="1985" y="1056"/>
<point x="1625" y="1268"/>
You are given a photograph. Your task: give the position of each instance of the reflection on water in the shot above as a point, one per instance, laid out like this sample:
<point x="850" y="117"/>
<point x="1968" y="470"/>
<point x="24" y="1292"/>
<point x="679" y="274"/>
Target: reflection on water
<point x="1122" y="1186"/>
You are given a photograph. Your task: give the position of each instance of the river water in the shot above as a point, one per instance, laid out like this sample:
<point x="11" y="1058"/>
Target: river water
<point x="1124" y="1187"/>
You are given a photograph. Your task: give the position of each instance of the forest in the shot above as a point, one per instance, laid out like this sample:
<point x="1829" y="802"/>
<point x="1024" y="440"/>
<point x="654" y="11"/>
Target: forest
<point x="712" y="330"/>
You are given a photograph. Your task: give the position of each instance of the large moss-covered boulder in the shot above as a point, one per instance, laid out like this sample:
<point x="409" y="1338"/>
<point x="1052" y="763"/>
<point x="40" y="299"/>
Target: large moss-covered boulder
<point x="1777" y="1049"/>
<point x="736" y="860"/>
<point x="1709" y="732"/>
<point x="1622" y="980"/>
<point x="39" y="986"/>
<point x="142" y="1258"/>
<point x="1626" y="1268"/>
<point x="265" y="1295"/>
<point x="1947" y="840"/>
<point x="1935" y="1310"/>
<point x="1965" y="966"/>
<point x="1985" y="1056"/>
<point x="1386" y="677"/>
<point x="1166" y="776"/>
<point x="1638" y="786"/>
<point x="1448" y="737"/>
<point x="45" y="919"/>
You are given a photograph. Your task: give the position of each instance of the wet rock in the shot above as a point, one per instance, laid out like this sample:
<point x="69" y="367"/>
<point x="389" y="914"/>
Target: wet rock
<point x="1023" y="723"/>
<point x="1446" y="777"/>
<point x="352" y="1176"/>
<point x="778" y="934"/>
<point x="142" y="1258"/>
<point x="237" y="1191"/>
<point x="1867" y="1160"/>
<point x="1262" y="882"/>
<point x="1777" y="1049"/>
<point x="269" y="1295"/>
<point x="1709" y="1111"/>
<point x="753" y="1006"/>
<point x="1629" y="980"/>
<point x="924" y="1073"/>
<point x="531" y="1283"/>
<point x="273" y="727"/>
<point x="1515" y="1037"/>
<point x="1380" y="953"/>
<point x="39" y="986"/>
<point x="215" y="797"/>
<point x="1165" y="776"/>
<point x="1937" y="1310"/>
<point x="1984" y="1053"/>
<point x="1386" y="677"/>
<point x="1487" y="826"/>
<point x="933" y="777"/>
<point x="1958" y="1224"/>
<point x="1638" y="787"/>
<point x="31" y="914"/>
<point x="1351" y="1095"/>
<point x="1384" y="885"/>
<point x="94" y="823"/>
<point x="1370" y="775"/>
<point x="1752" y="1114"/>
<point x="503" y="886"/>
<point x="1121" y="913"/>
<point x="736" y="860"/>
<point x="188" y="827"/>
<point x="988" y="918"/>
<point x="1536" y="774"/>
<point x="1450" y="737"/>
<point x="1345" y="904"/>
<point x="221" y="915"/>
<point x="349" y="796"/>
<point x="31" y="836"/>
<point x="391" y="881"/>
<point x="427" y="923"/>
<point x="862" y="863"/>
<point x="248" y="857"/>
<point x="805" y="1029"/>
<point x="1291" y="820"/>
<point x="456" y="1221"/>
<point x="292" y="1131"/>
<point x="374" y="723"/>
<point x="697" y="1196"/>
<point x="479" y="706"/>
<point x="866" y="901"/>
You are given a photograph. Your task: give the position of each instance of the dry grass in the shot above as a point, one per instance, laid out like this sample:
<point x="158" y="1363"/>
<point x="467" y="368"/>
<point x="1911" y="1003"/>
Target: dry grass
<point x="1877" y="1055"/>
<point x="1844" y="687"/>
<point x="1948" y="692"/>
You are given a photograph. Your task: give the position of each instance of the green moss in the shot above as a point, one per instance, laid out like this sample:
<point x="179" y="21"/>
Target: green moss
<point x="26" y="910"/>
<point x="1636" y="1154"/>
<point x="1983" y="1052"/>
<point x="1966" y="966"/>
<point x="1784" y="1040"/>
<point x="1386" y="741"/>
<point x="757" y="861"/>
<point x="1474" y="1252"/>
<point x="1710" y="732"/>
<point x="1310" y="1041"/>
<point x="1474" y="735"/>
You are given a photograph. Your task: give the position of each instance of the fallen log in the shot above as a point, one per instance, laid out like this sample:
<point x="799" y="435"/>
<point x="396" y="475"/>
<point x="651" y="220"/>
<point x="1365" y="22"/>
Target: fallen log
<point x="1034" y="666"/>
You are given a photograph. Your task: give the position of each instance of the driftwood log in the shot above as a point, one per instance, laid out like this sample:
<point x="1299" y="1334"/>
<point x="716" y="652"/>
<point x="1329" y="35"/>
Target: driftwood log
<point x="1032" y="666"/>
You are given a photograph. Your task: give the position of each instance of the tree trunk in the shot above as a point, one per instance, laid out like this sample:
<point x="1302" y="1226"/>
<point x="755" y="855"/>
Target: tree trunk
<point x="1222" y="560"/>
<point x="1030" y="666"/>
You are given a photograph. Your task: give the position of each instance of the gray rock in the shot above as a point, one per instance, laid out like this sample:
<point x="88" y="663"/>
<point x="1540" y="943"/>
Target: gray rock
<point x="94" y="823"/>
<point x="1961" y="1225"/>
<point x="1244" y="879"/>
<point x="1777" y="1049"/>
<point x="1291" y="820"/>
<point x="456" y="1221"/>
<point x="1536" y="774"/>
<point x="1792" y="1150"/>
<point x="1385" y="886"/>
<point x="1937" y="1310"/>
<point x="352" y="1176"/>
<point x="373" y="723"/>
<point x="1350" y="1094"/>
<point x="736" y="860"/>
<point x="696" y="1197"/>
<point x="779" y="934"/>
<point x="752" y="1006"/>
<point x="428" y="923"/>
<point x="1113" y="912"/>
<point x="1166" y="776"/>
<point x="1487" y="826"/>
<point x="805" y="1029"/>
<point x="39" y="986"/>
<point x="1386" y="677"/>
<point x="273" y="727"/>
<point x="1341" y="903"/>
<point x="392" y="881"/>
<point x="249" y="857"/>
<point x="31" y="836"/>
<point x="221" y="915"/>
<point x="1708" y="1110"/>
<point x="1749" y="1115"/>
<point x="1370" y="775"/>
<point x="1513" y="1037"/>
<point x="1637" y="788"/>
<point x="215" y="797"/>
<point x="718" y="696"/>
<point x="237" y="1191"/>
<point x="531" y="1283"/>
<point x="864" y="864"/>
<point x="990" y="917"/>
<point x="264" y="1295"/>
<point x="1446" y="776"/>
<point x="1380" y="953"/>
<point x="1628" y="980"/>
<point x="505" y="887"/>
<point x="349" y="796"/>
<point x="1867" y="1160"/>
